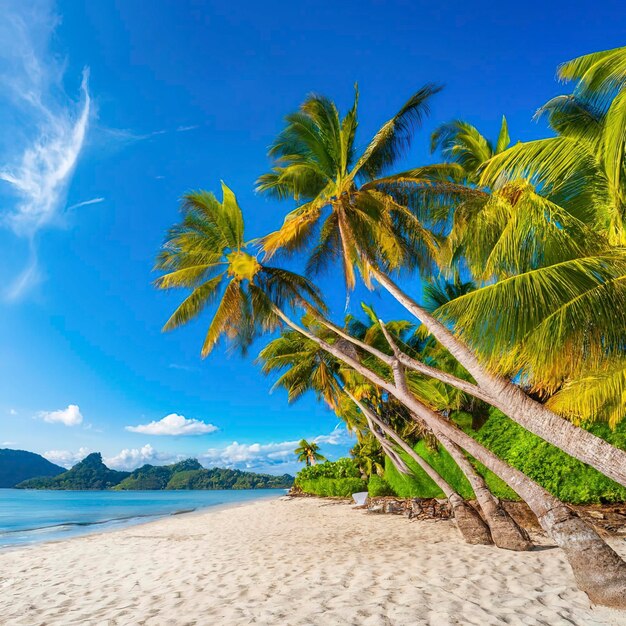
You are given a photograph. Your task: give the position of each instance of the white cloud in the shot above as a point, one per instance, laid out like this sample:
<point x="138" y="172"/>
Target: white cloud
<point x="47" y="127"/>
<point x="66" y="458"/>
<point x="12" y="412"/>
<point x="131" y="458"/>
<point x="70" y="416"/>
<point x="272" y="457"/>
<point x="174" y="424"/>
<point x="9" y="443"/>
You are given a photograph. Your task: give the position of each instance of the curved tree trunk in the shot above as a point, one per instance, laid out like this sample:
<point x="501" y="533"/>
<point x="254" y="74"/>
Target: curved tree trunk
<point x="511" y="400"/>
<point x="471" y="526"/>
<point x="598" y="569"/>
<point x="505" y="531"/>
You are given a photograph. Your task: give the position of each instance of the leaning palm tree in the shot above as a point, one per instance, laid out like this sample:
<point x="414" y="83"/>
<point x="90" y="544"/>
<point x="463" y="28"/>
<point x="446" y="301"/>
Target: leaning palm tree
<point x="209" y="244"/>
<point x="301" y="366"/>
<point x="505" y="532"/>
<point x="307" y="452"/>
<point x="364" y="221"/>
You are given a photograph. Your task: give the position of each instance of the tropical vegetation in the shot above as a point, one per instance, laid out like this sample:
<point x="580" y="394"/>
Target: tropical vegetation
<point x="307" y="452"/>
<point x="522" y="251"/>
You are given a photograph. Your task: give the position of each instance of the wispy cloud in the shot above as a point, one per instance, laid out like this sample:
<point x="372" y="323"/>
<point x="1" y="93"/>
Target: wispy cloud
<point x="70" y="416"/>
<point x="173" y="425"/>
<point x="125" y="136"/>
<point x="78" y="205"/>
<point x="184" y="368"/>
<point x="48" y="127"/>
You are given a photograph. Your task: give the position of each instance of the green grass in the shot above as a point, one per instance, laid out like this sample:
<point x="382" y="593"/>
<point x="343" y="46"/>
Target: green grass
<point x="333" y="487"/>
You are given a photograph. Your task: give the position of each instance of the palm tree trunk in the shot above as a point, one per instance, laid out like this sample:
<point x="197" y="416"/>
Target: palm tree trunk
<point x="598" y="569"/>
<point x="505" y="531"/>
<point x="471" y="526"/>
<point x="512" y="400"/>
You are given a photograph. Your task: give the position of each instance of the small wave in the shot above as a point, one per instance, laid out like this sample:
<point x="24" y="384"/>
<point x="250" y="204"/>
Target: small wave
<point x="183" y="511"/>
<point x="70" y="525"/>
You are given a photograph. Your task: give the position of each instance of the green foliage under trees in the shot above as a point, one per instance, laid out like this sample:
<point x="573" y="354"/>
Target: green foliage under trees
<point x="333" y="487"/>
<point x="338" y="479"/>
<point x="378" y="486"/>
<point x="567" y="478"/>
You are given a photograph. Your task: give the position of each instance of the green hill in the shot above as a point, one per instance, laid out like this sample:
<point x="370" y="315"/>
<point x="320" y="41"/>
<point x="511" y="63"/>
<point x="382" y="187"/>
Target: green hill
<point x="19" y="465"/>
<point x="90" y="473"/>
<point x="218" y="478"/>
<point x="151" y="477"/>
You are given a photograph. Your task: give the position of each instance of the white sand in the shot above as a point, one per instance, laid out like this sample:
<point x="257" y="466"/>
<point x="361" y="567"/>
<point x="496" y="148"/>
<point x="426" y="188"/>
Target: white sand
<point x="303" y="561"/>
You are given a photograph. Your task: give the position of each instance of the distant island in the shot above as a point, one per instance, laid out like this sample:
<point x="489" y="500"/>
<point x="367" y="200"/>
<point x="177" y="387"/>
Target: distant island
<point x="32" y="471"/>
<point x="19" y="465"/>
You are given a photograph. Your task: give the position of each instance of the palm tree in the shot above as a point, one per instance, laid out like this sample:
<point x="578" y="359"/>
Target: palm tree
<point x="370" y="227"/>
<point x="505" y="532"/>
<point x="315" y="162"/>
<point x="210" y="241"/>
<point x="207" y="253"/>
<point x="301" y="367"/>
<point x="369" y="455"/>
<point x="308" y="453"/>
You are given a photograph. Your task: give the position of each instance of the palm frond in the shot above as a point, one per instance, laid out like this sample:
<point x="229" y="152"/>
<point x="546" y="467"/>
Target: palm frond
<point x="194" y="304"/>
<point x="394" y="137"/>
<point x="598" y="395"/>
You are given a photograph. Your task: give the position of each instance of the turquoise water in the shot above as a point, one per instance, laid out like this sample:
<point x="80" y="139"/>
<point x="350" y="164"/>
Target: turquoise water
<point x="33" y="516"/>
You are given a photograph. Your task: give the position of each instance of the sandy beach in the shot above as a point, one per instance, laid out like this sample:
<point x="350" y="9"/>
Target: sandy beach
<point x="299" y="561"/>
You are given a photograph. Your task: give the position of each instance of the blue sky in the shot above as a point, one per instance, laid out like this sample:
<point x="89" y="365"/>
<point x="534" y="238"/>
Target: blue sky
<point x="109" y="112"/>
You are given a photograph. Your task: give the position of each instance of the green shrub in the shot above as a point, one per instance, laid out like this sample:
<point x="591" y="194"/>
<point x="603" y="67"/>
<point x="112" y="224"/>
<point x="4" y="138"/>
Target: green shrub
<point x="333" y="487"/>
<point x="377" y="486"/>
<point x="342" y="468"/>
<point x="568" y="479"/>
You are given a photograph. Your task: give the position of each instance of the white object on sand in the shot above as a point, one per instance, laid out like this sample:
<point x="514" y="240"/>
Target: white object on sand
<point x="360" y="498"/>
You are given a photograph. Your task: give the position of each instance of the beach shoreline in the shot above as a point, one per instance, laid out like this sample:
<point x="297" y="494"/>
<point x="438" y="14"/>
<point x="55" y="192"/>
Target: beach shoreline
<point x="289" y="561"/>
<point x="64" y="524"/>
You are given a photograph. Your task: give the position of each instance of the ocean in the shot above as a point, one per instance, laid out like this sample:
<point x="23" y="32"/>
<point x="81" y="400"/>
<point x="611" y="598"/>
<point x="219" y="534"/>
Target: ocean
<point x="33" y="516"/>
